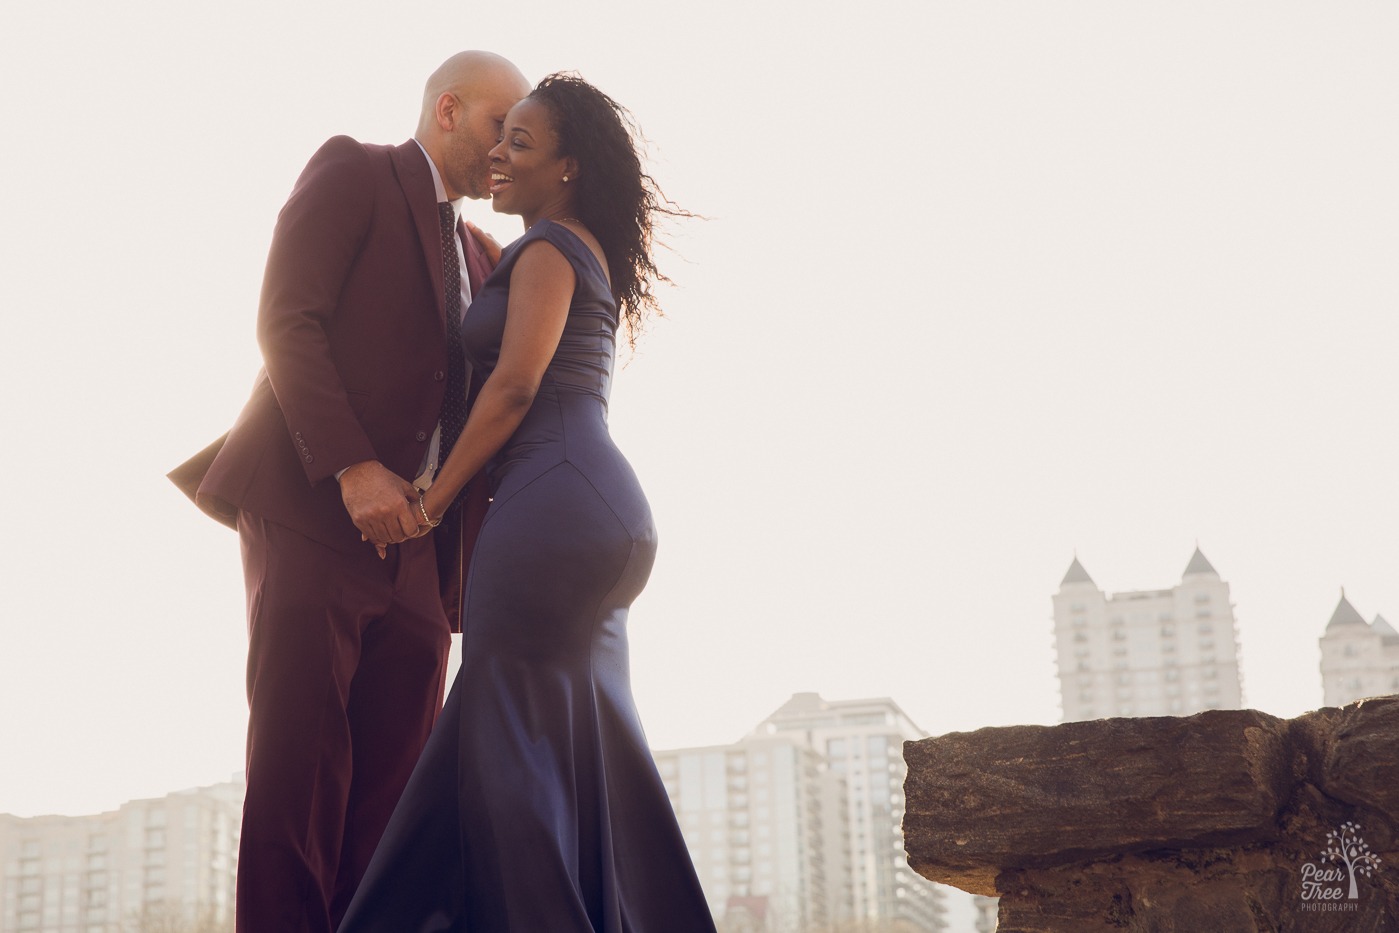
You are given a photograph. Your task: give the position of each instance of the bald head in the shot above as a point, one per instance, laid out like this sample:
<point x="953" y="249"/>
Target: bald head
<point x="470" y="76"/>
<point x="464" y="107"/>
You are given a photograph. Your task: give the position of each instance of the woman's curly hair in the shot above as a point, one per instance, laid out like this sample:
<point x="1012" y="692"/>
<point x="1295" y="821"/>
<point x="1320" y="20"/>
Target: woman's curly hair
<point x="615" y="198"/>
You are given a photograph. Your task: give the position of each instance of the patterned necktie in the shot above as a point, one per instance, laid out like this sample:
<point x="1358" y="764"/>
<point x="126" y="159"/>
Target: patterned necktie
<point x="454" y="403"/>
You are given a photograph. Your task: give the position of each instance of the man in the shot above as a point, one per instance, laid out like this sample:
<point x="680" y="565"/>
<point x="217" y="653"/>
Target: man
<point x="368" y="273"/>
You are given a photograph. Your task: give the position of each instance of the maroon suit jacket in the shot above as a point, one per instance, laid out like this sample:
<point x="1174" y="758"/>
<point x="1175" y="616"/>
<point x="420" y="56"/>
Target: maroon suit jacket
<point x="352" y="327"/>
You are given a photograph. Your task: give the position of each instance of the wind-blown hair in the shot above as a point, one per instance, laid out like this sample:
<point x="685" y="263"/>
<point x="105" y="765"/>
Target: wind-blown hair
<point x="615" y="198"/>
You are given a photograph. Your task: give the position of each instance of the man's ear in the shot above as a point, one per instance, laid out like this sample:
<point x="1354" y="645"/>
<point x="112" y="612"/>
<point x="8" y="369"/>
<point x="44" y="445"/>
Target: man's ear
<point x="447" y="111"/>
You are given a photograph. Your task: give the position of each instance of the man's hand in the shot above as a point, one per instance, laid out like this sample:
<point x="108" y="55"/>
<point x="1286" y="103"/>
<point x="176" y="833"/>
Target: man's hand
<point x="380" y="503"/>
<point x="488" y="243"/>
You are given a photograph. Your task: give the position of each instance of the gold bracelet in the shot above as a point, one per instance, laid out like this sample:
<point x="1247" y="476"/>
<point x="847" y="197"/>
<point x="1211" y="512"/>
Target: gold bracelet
<point x="422" y="508"/>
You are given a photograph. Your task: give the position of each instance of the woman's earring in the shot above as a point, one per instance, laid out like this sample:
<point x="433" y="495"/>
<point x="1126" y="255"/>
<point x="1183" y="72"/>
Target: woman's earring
<point x="565" y="179"/>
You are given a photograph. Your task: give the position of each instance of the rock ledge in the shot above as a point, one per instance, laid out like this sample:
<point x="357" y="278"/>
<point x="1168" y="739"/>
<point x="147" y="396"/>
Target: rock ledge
<point x="1213" y="823"/>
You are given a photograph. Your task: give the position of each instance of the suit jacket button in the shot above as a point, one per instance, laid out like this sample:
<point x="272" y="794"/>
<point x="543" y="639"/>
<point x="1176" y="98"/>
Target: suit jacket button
<point x="309" y="458"/>
<point x="437" y="376"/>
<point x="422" y="436"/>
<point x="298" y="435"/>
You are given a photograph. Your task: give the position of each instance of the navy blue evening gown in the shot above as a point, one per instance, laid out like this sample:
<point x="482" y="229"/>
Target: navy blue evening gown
<point x="536" y="806"/>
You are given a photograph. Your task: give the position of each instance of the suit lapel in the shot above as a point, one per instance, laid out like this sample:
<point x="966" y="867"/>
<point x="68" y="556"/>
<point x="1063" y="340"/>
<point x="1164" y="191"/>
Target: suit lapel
<point x="410" y="165"/>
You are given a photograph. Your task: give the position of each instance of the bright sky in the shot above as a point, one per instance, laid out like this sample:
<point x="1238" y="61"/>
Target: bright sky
<point x="983" y="284"/>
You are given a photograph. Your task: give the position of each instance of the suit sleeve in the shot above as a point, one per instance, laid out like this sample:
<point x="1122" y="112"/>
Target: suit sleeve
<point x="318" y="235"/>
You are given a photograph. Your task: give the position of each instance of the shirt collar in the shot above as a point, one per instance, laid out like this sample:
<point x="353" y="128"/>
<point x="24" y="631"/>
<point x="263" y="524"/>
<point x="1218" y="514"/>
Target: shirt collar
<point x="437" y="185"/>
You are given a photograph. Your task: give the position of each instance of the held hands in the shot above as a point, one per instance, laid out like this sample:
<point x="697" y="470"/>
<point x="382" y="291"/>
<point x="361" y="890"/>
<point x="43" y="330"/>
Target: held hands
<point x="426" y="523"/>
<point x="381" y="503"/>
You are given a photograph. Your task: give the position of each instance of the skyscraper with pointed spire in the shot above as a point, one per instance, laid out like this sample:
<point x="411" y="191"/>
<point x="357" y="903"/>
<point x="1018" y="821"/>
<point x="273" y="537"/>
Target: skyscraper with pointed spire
<point x="1358" y="659"/>
<point x="1168" y="652"/>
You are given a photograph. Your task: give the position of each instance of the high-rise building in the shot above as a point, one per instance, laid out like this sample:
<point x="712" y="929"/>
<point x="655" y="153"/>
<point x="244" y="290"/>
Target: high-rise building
<point x="986" y="910"/>
<point x="765" y="823"/>
<point x="862" y="742"/>
<point x="797" y="828"/>
<point x="150" y="866"/>
<point x="1358" y="659"/>
<point x="1169" y="652"/>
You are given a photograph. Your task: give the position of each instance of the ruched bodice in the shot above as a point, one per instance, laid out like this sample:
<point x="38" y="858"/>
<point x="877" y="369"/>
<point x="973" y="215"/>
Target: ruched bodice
<point x="567" y="422"/>
<point x="583" y="362"/>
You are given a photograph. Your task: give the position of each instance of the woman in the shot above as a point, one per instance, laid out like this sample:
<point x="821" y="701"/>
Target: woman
<point x="536" y="806"/>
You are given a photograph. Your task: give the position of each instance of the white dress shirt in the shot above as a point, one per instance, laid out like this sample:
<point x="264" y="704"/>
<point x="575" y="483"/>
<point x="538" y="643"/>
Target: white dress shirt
<point x="430" y="464"/>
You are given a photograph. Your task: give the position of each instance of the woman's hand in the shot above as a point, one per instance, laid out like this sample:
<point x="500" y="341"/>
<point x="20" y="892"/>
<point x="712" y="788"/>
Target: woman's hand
<point x="487" y="242"/>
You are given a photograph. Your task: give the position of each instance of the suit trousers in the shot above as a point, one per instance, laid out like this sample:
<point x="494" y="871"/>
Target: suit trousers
<point x="347" y="660"/>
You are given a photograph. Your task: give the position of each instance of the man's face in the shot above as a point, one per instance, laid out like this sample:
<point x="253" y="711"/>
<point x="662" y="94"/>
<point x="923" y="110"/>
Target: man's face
<point x="468" y="164"/>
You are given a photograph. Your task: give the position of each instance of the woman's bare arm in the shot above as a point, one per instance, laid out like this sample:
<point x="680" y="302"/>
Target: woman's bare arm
<point x="541" y="287"/>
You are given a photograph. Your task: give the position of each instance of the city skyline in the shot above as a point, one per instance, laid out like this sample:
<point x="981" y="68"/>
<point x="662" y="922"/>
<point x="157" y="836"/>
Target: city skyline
<point x="170" y="860"/>
<point x="980" y="288"/>
<point x="797" y="821"/>
<point x="1159" y="652"/>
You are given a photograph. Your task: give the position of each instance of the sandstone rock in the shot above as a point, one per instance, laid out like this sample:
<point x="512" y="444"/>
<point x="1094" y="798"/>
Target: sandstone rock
<point x="1205" y="824"/>
<point x="1360" y="764"/>
<point x="1038" y="796"/>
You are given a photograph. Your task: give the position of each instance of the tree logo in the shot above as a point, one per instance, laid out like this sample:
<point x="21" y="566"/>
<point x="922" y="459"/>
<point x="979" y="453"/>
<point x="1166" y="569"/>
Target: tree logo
<point x="1329" y="881"/>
